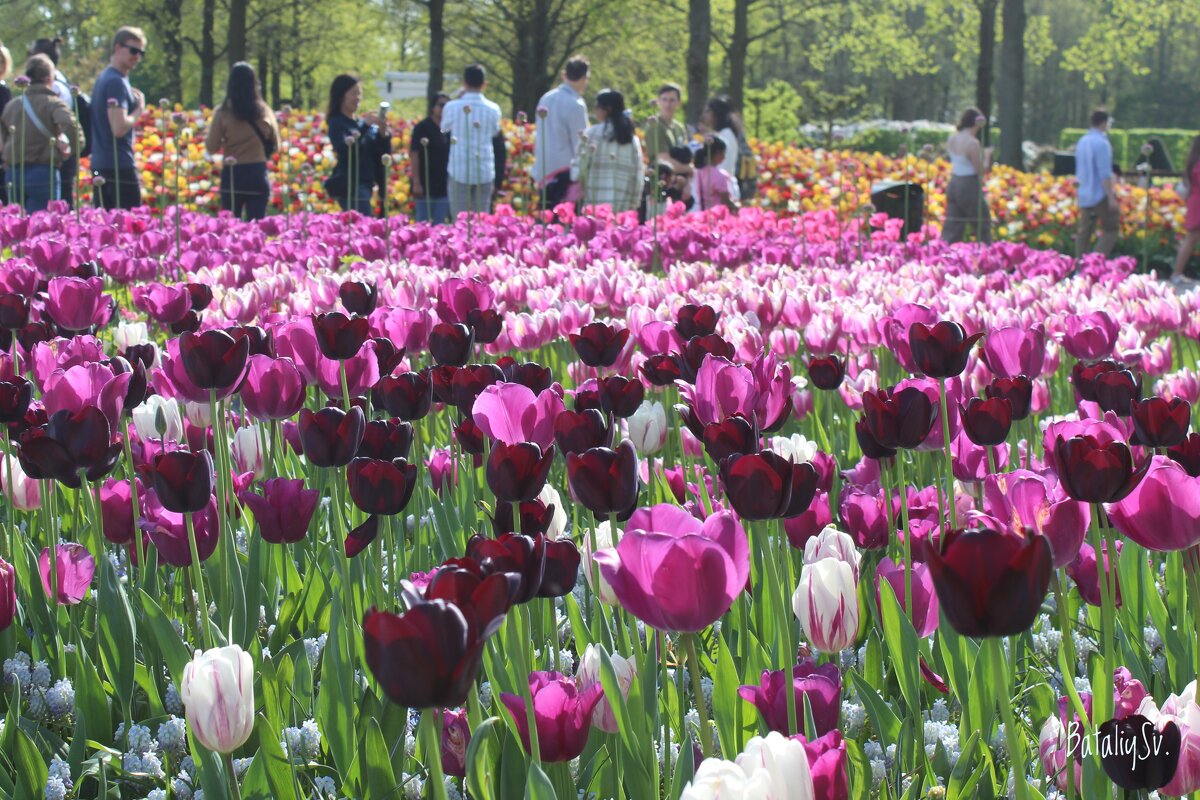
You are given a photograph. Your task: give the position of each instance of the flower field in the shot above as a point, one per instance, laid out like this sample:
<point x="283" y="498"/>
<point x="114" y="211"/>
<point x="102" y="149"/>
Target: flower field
<point x="1035" y="208"/>
<point x="757" y="506"/>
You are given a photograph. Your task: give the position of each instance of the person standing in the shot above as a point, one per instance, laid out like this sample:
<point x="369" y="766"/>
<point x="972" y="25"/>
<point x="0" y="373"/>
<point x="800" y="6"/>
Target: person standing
<point x="1191" y="222"/>
<point x="244" y="129"/>
<point x="5" y="96"/>
<point x="663" y="131"/>
<point x="429" y="158"/>
<point x="609" y="165"/>
<point x="36" y="133"/>
<point x="52" y="49"/>
<point x="1097" y="197"/>
<point x="561" y="120"/>
<point x="116" y="108"/>
<point x="965" y="202"/>
<point x="358" y="142"/>
<point x="473" y="122"/>
<point x="719" y="120"/>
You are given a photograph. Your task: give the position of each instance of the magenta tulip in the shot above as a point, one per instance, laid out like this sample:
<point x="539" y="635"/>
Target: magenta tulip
<point x="562" y="712"/>
<point x="1012" y="351"/>
<point x="166" y="304"/>
<point x="925" y="602"/>
<point x="273" y="389"/>
<point x="512" y="413"/>
<point x="74" y="567"/>
<point x="821" y="685"/>
<point x="675" y="573"/>
<point x="168" y="531"/>
<point x="77" y="304"/>
<point x="1037" y="504"/>
<point x="283" y="510"/>
<point x="1090" y="336"/>
<point x="116" y="509"/>
<point x="827" y="764"/>
<point x="1163" y="511"/>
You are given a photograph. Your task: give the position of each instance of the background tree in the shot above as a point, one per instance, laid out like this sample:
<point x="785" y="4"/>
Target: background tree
<point x="1012" y="84"/>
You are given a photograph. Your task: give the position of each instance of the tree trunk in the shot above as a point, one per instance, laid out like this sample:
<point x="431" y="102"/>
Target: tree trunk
<point x="739" y="45"/>
<point x="264" y="58"/>
<point x="236" y="43"/>
<point x="531" y="67"/>
<point x="208" y="49"/>
<point x="987" y="56"/>
<point x="437" y="46"/>
<point x="699" y="39"/>
<point x="1012" y="83"/>
<point x="276" y="72"/>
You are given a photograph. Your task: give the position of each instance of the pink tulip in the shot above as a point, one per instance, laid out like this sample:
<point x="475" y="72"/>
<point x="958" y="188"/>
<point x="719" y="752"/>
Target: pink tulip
<point x="562" y="712"/>
<point x="298" y="341"/>
<point x="274" y="388"/>
<point x="1012" y="351"/>
<point x="77" y="304"/>
<point x="1184" y="712"/>
<point x="511" y="413"/>
<point x="1092" y="336"/>
<point x="1163" y="511"/>
<point x="85" y="385"/>
<point x="822" y="686"/>
<point x="1128" y="693"/>
<point x="164" y="303"/>
<point x="1086" y="573"/>
<point x="116" y="511"/>
<point x="458" y="297"/>
<point x="1036" y="504"/>
<point x="74" y="567"/>
<point x="925" y="601"/>
<point x="827" y="764"/>
<point x="362" y="372"/>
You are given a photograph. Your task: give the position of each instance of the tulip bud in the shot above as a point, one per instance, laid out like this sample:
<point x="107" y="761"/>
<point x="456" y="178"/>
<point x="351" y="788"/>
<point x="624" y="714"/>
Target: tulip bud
<point x="588" y="674"/>
<point x="158" y="418"/>
<point x="648" y="428"/>
<point x="826" y="603"/>
<point x="22" y="491"/>
<point x="833" y="543"/>
<point x="74" y="567"/>
<point x="218" y="695"/>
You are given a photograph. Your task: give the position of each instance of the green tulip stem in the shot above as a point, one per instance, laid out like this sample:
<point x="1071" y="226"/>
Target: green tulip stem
<point x="1191" y="567"/>
<point x="1016" y="746"/>
<point x="885" y="475"/>
<point x="1102" y="696"/>
<point x="198" y="579"/>
<point x="991" y="457"/>
<point x="430" y="731"/>
<point x="701" y="708"/>
<point x="903" y="491"/>
<point x="9" y="541"/>
<point x="234" y="790"/>
<point x="345" y="384"/>
<point x="949" y="467"/>
<point x="138" y="543"/>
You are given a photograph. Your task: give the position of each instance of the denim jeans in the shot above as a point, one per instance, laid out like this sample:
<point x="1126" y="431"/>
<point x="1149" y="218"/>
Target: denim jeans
<point x="245" y="190"/>
<point x="433" y="209"/>
<point x="36" y="184"/>
<point x="129" y="193"/>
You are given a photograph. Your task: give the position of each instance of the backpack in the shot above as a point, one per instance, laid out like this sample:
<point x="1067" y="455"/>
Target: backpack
<point x="747" y="169"/>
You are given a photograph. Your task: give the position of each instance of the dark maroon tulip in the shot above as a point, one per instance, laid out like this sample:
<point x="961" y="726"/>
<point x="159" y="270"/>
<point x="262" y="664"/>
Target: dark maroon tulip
<point x="690" y="421"/>
<point x="70" y="442"/>
<point x="470" y="381"/>
<point x="427" y="657"/>
<point x="330" y="437"/>
<point x="15" y="396"/>
<point x="340" y="337"/>
<point x="561" y="570"/>
<point x="361" y="536"/>
<point x="408" y="395"/>
<point x="214" y="359"/>
<point x="442" y="378"/>
<point x="990" y="583"/>
<point x="14" y="311"/>
<point x="758" y="486"/>
<point x="386" y="439"/>
<point x="488" y="594"/>
<point x="588" y="399"/>
<point x="733" y="435"/>
<point x="1017" y="391"/>
<point x="138" y="388"/>
<point x="826" y="372"/>
<point x="693" y="320"/>
<point x="146" y="353"/>
<point x="1092" y="471"/>
<point x="1159" y="423"/>
<point x="183" y="480"/>
<point x="381" y="487"/>
<point x="190" y="323"/>
<point x="531" y="375"/>
<point x="941" y="351"/>
<point x="516" y="473"/>
<point x="530" y="518"/>
<point x="202" y="296"/>
<point x="621" y="396"/>
<point x="1187" y="454"/>
<point x="450" y="343"/>
<point x="900" y="419"/>
<point x="870" y="446"/>
<point x="261" y="344"/>
<point x="805" y="481"/>
<point x="987" y="422"/>
<point x="32" y="333"/>
<point x="486" y="323"/>
<point x="598" y="344"/>
<point x="34" y="417"/>
<point x="605" y="481"/>
<point x="1083" y="376"/>
<point x="358" y="297"/>
<point x="697" y="348"/>
<point x="1116" y="389"/>
<point x="469" y="437"/>
<point x="662" y="369"/>
<point x="576" y="431"/>
<point x="284" y="509"/>
<point x="512" y="553"/>
<point x="1154" y="762"/>
<point x="388" y="355"/>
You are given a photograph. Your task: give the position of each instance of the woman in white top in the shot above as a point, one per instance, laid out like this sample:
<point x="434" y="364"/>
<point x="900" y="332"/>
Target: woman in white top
<point x="965" y="203"/>
<point x="718" y="118"/>
<point x="609" y="164"/>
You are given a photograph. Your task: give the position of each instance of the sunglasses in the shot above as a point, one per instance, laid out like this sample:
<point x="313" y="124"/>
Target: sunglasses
<point x="137" y="51"/>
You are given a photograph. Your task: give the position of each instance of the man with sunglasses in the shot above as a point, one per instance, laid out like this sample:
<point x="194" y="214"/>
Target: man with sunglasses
<point x="116" y="107"/>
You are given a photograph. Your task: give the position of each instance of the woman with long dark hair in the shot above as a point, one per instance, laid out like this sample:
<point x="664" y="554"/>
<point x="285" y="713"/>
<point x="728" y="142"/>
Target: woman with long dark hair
<point x="609" y="163"/>
<point x="358" y="141"/>
<point x="244" y="130"/>
<point x="1191" y="222"/>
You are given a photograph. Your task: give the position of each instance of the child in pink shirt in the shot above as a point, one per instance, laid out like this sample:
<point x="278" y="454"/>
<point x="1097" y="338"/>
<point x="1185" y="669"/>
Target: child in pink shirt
<point x="711" y="187"/>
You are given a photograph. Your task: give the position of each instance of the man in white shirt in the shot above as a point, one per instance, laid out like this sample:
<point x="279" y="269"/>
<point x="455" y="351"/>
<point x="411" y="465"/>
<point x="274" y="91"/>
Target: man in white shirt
<point x="562" y="118"/>
<point x="473" y="122"/>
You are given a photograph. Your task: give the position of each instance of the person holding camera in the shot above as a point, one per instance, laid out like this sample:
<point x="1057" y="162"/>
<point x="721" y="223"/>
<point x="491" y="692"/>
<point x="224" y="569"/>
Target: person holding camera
<point x="37" y="132"/>
<point x="358" y="142"/>
<point x="244" y="130"/>
<point x="969" y="161"/>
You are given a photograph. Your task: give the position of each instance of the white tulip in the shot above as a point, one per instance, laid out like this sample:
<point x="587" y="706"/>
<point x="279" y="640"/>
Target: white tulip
<point x="794" y="448"/>
<point x="24" y="492"/>
<point x="784" y="760"/>
<point x="826" y="603"/>
<point x="558" y="523"/>
<point x="588" y="674"/>
<point x="199" y="414"/>
<point x="833" y="543"/>
<point x="128" y="334"/>
<point x="717" y="779"/>
<point x="218" y="695"/>
<point x="648" y="428"/>
<point x="605" y="549"/>
<point x="245" y="448"/>
<point x="158" y="418"/>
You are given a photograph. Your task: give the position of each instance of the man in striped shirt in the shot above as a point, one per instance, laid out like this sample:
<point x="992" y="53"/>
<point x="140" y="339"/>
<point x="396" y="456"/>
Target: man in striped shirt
<point x="473" y="122"/>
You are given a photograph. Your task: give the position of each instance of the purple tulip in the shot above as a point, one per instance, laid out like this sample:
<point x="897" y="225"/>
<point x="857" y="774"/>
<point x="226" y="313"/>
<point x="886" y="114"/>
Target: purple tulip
<point x="1037" y="504"/>
<point x="362" y="372"/>
<point x="456" y="738"/>
<point x="827" y="764"/>
<point x="116" y="509"/>
<point x="298" y="341"/>
<point x="274" y="388"/>
<point x="283" y="510"/>
<point x="561" y="711"/>
<point x="512" y="413"/>
<point x="1163" y="512"/>
<point x="925" y="602"/>
<point x="821" y="685"/>
<point x="166" y="304"/>
<point x="675" y="573"/>
<point x="1086" y="573"/>
<point x="1090" y="336"/>
<point x="87" y="385"/>
<point x="74" y="567"/>
<point x="1012" y="351"/>
<point x="168" y="531"/>
<point x="77" y="304"/>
